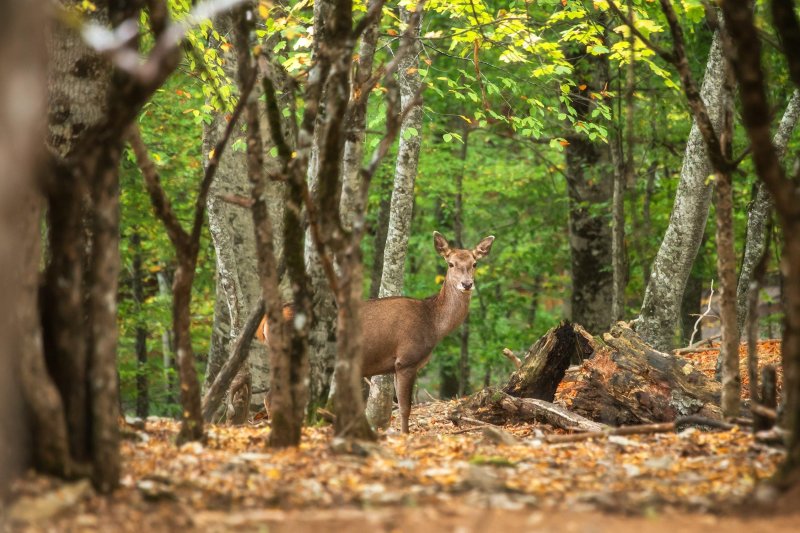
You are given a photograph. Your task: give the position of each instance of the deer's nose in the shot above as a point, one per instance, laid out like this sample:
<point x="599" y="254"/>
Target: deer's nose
<point x="467" y="285"/>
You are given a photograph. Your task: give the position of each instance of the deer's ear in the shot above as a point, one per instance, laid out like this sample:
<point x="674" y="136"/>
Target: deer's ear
<point x="442" y="248"/>
<point x="482" y="248"/>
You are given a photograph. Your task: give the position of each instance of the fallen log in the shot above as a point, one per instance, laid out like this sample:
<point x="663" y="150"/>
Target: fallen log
<point x="496" y="407"/>
<point x="628" y="382"/>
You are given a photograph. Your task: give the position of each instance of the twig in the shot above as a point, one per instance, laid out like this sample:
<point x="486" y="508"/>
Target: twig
<point x="708" y="310"/>
<point x="691" y="347"/>
<point x="511" y="356"/>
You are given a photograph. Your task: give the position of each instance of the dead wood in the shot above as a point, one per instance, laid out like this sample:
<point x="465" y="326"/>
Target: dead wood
<point x="511" y="356"/>
<point x="628" y="382"/>
<point x="642" y="429"/>
<point x="496" y="407"/>
<point x="547" y="360"/>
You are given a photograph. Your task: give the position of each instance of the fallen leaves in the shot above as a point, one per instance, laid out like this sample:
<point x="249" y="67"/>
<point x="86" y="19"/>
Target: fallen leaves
<point x="438" y="465"/>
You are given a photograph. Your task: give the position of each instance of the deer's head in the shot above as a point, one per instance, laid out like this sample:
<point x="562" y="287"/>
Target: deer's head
<point x="461" y="263"/>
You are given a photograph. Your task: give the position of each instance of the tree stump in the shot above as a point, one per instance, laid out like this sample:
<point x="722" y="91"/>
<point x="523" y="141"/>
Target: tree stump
<point x="547" y="361"/>
<point x="629" y="382"/>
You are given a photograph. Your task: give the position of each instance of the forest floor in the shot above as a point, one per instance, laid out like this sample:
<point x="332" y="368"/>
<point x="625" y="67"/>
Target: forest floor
<point x="438" y="478"/>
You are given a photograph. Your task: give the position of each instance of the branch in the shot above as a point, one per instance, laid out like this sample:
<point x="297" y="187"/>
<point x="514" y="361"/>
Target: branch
<point x="511" y="356"/>
<point x="701" y="317"/>
<point x="238" y="356"/>
<point x="158" y="198"/>
<point x="372" y="16"/>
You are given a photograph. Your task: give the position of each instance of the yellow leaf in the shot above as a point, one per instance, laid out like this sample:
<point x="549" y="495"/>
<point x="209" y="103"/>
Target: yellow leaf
<point x="263" y="9"/>
<point x="411" y="70"/>
<point x="582" y="87"/>
<point x="391" y="32"/>
<point x="439" y="278"/>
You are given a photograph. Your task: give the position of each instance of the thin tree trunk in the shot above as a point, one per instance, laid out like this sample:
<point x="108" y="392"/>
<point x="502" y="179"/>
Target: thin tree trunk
<point x="323" y="332"/>
<point x="380" y="399"/>
<point x="759" y="210"/>
<point x="746" y="59"/>
<point x="623" y="175"/>
<point x="381" y="230"/>
<point x="142" y="392"/>
<point x="288" y="341"/>
<point x="726" y="268"/>
<point x="673" y="263"/>
<point x="167" y="342"/>
<point x="618" y="232"/>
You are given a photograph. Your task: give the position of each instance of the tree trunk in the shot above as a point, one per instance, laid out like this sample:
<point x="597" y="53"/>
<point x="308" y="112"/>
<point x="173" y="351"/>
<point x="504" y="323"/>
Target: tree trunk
<point x="142" y="392"/>
<point x="322" y="338"/>
<point x="233" y="235"/>
<point x="759" y="210"/>
<point x="726" y="266"/>
<point x="673" y="263"/>
<point x="379" y="403"/>
<point x="167" y="341"/>
<point x="37" y="430"/>
<point x="589" y="184"/>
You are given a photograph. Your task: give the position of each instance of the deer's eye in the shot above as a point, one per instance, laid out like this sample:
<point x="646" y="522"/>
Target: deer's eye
<point x="450" y="264"/>
<point x="474" y="265"/>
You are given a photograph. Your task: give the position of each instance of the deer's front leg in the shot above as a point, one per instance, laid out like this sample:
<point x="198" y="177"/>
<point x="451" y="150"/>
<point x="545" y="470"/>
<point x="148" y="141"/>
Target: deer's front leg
<point x="404" y="383"/>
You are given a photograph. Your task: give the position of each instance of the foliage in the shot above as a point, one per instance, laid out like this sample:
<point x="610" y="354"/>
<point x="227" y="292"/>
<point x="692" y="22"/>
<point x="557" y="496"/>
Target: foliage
<point x="502" y="77"/>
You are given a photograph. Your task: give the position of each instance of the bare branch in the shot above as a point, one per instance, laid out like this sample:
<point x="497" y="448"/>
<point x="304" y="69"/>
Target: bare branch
<point x="158" y="198"/>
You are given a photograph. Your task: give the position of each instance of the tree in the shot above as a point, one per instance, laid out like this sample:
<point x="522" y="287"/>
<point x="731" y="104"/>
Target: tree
<point x="379" y="404"/>
<point x="23" y="92"/>
<point x="660" y="310"/>
<point x="745" y="55"/>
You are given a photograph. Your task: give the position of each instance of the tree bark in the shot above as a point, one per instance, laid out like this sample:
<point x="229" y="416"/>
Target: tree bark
<point x="673" y="263"/>
<point x="746" y="60"/>
<point x="36" y="431"/>
<point x="759" y="210"/>
<point x="379" y="404"/>
<point x="589" y="184"/>
<point x="547" y="361"/>
<point x="322" y="337"/>
<point x="726" y="265"/>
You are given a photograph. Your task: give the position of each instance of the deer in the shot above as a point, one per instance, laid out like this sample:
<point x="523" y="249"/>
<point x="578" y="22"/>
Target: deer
<point x="400" y="333"/>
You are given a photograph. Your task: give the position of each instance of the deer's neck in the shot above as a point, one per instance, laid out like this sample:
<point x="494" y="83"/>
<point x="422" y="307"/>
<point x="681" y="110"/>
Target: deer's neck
<point x="449" y="309"/>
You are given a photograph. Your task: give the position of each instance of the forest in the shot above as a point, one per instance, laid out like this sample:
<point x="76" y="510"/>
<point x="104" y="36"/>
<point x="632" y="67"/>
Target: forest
<point x="414" y="265"/>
